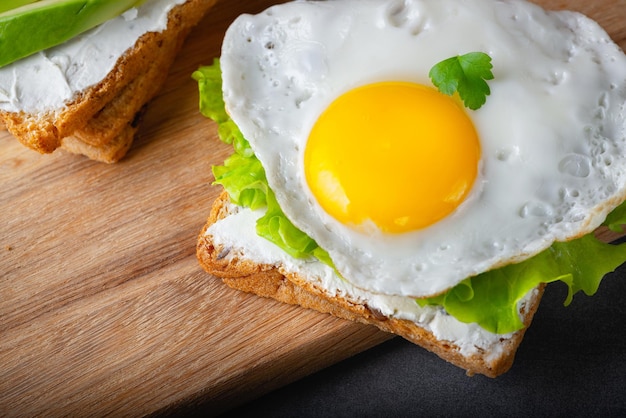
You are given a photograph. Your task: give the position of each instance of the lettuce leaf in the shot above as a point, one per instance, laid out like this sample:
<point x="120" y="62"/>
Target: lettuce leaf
<point x="209" y="80"/>
<point x="490" y="299"/>
<point x="243" y="176"/>
<point x="616" y="220"/>
<point x="244" y="180"/>
<point x="275" y="227"/>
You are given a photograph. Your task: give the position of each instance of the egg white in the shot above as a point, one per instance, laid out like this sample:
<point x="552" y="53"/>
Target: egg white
<point x="552" y="132"/>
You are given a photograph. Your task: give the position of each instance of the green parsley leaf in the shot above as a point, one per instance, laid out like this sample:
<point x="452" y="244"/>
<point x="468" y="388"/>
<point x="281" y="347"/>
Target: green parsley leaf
<point x="465" y="74"/>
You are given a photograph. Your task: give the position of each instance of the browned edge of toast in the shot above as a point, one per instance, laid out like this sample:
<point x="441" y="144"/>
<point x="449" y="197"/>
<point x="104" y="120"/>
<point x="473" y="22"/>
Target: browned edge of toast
<point x="111" y="152"/>
<point x="268" y="281"/>
<point x="110" y="133"/>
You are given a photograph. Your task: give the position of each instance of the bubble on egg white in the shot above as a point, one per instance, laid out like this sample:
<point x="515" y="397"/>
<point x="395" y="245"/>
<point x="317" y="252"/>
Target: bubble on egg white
<point x="400" y="14"/>
<point x="536" y="209"/>
<point x="575" y="165"/>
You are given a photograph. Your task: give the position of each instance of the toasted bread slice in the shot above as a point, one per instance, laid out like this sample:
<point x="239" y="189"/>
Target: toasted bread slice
<point x="239" y="270"/>
<point x="110" y="152"/>
<point x="100" y="121"/>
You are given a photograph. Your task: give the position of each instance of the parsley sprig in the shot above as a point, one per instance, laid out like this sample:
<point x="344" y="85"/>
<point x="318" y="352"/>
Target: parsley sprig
<point x="465" y="74"/>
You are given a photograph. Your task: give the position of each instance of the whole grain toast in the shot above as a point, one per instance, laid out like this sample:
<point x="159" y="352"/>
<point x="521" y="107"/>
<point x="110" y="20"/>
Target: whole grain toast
<point x="232" y="267"/>
<point x="101" y="121"/>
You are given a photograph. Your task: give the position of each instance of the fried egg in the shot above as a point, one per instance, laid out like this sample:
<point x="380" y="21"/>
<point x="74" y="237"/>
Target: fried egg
<point x="407" y="190"/>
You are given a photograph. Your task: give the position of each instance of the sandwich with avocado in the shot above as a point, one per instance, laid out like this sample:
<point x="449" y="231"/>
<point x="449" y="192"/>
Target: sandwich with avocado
<point x="77" y="74"/>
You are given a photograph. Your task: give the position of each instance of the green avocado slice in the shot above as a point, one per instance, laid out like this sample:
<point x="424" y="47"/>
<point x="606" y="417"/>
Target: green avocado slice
<point x="7" y="5"/>
<point x="43" y="24"/>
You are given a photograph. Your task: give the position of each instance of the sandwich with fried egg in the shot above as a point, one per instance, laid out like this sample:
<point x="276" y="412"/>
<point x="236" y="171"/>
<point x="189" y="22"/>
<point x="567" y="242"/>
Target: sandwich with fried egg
<point x="425" y="167"/>
<point x="86" y="93"/>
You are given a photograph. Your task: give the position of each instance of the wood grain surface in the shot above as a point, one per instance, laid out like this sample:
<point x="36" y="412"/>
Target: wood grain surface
<point x="104" y="309"/>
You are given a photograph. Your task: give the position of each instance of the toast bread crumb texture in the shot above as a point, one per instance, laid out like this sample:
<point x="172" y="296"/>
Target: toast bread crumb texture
<point x="101" y="122"/>
<point x="268" y="281"/>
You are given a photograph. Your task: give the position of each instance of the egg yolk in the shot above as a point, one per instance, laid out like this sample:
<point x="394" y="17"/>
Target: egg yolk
<point x="400" y="155"/>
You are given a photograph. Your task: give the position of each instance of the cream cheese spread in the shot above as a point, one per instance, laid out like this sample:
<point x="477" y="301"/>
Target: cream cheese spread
<point x="48" y="80"/>
<point x="237" y="233"/>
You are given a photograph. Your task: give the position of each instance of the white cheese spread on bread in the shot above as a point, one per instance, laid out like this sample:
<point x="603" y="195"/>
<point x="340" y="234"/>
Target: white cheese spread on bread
<point x="237" y="233"/>
<point x="52" y="78"/>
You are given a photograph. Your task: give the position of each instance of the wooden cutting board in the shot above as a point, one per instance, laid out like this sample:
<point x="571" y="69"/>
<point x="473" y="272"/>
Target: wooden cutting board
<point x="103" y="306"/>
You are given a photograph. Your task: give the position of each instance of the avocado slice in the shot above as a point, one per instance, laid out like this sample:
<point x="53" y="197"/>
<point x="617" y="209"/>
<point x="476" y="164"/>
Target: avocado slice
<point x="42" y="24"/>
<point x="7" y="5"/>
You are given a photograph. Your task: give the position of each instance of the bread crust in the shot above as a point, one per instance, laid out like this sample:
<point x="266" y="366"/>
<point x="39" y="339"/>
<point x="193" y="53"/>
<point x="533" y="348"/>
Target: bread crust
<point x="110" y="152"/>
<point x="98" y="123"/>
<point x="268" y="281"/>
